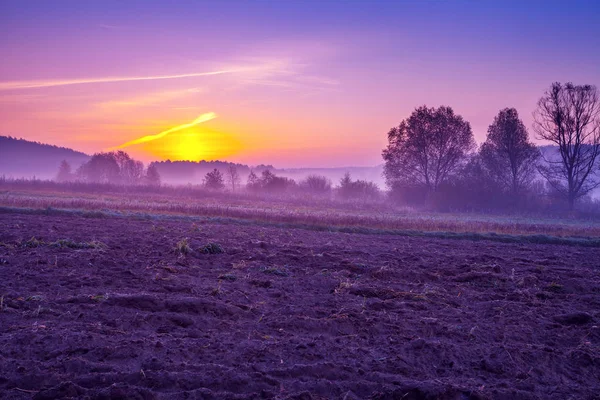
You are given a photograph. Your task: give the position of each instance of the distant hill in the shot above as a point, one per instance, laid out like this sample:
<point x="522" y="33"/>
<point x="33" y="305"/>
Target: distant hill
<point x="23" y="158"/>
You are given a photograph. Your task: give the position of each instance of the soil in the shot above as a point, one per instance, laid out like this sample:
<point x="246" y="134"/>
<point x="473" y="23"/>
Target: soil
<point x="289" y="314"/>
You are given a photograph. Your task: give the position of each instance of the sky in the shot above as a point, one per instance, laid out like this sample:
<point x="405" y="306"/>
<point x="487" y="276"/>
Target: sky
<point x="288" y="83"/>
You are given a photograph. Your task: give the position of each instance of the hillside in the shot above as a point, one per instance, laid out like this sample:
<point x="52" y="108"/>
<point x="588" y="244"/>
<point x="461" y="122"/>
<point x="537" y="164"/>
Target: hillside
<point x="23" y="158"/>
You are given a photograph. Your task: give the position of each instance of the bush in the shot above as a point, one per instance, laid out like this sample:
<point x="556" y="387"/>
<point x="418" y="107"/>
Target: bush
<point x="358" y="189"/>
<point x="316" y="184"/>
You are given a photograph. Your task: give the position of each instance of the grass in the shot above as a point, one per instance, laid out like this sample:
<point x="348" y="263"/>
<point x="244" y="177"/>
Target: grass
<point x="323" y="217"/>
<point x="70" y="244"/>
<point x="275" y="271"/>
<point x="61" y="243"/>
<point x="212" y="248"/>
<point x="579" y="240"/>
<point x="182" y="247"/>
<point x="324" y="214"/>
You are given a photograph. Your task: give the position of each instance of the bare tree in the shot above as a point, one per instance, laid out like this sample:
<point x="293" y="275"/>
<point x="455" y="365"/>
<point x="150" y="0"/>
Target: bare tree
<point x="427" y="148"/>
<point x="233" y="178"/>
<point x="569" y="116"/>
<point x="508" y="154"/>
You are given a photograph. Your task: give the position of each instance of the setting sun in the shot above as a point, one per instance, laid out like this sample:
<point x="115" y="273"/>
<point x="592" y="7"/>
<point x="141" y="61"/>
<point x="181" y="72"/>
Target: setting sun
<point x="194" y="144"/>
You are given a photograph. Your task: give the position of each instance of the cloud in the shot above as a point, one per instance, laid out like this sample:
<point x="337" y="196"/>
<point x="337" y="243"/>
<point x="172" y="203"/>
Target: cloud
<point x="65" y="82"/>
<point x="149" y="138"/>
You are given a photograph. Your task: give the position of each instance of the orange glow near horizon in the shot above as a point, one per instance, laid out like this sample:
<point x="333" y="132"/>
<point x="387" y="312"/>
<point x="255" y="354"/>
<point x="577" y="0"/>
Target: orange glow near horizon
<point x="294" y="84"/>
<point x="148" y="138"/>
<point x="194" y="144"/>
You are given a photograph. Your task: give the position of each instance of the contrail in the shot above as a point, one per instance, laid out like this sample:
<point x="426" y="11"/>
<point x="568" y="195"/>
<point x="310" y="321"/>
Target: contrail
<point x="149" y="138"/>
<point x="65" y="82"/>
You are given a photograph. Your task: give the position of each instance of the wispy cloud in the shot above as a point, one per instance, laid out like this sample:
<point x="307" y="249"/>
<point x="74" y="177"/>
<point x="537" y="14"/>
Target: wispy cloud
<point x="149" y="138"/>
<point x="65" y="82"/>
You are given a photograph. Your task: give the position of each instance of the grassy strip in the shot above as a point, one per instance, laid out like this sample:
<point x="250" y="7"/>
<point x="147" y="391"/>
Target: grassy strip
<point x="473" y="236"/>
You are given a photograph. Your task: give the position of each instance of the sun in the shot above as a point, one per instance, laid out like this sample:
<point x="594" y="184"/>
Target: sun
<point x="194" y="144"/>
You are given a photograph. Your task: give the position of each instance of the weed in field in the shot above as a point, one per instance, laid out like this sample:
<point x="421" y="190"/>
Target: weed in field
<point x="212" y="248"/>
<point x="6" y="245"/>
<point x="183" y="248"/>
<point x="70" y="244"/>
<point x="554" y="287"/>
<point x="228" y="277"/>
<point x="275" y="271"/>
<point x="31" y="243"/>
<point x="98" y="297"/>
<point x="239" y="265"/>
<point x="216" y="291"/>
<point x="195" y="228"/>
<point x="343" y="285"/>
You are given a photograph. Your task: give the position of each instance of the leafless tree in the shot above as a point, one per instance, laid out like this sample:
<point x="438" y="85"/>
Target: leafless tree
<point x="427" y="148"/>
<point x="508" y="154"/>
<point x="233" y="177"/>
<point x="569" y="116"/>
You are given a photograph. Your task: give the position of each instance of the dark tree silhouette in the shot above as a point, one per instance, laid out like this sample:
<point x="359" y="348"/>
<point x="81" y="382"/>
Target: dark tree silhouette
<point x="427" y="148"/>
<point x="101" y="168"/>
<point x="114" y="167"/>
<point x="131" y="171"/>
<point x="508" y="154"/>
<point x="569" y="116"/>
<point x="214" y="180"/>
<point x="64" y="172"/>
<point x="152" y="177"/>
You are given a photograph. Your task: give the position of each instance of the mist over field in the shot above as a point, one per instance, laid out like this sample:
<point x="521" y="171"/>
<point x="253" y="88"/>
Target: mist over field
<point x="299" y="200"/>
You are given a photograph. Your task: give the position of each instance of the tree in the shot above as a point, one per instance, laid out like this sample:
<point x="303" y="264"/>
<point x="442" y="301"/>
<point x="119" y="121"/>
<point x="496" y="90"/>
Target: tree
<point x="233" y="178"/>
<point x="64" y="172"/>
<point x="427" y="148"/>
<point x="152" y="176"/>
<point x="316" y="184"/>
<point x="569" y="116"/>
<point x="358" y="189"/>
<point x="101" y="168"/>
<point x="345" y="188"/>
<point x="253" y="183"/>
<point x="214" y="180"/>
<point x="508" y="154"/>
<point x="131" y="171"/>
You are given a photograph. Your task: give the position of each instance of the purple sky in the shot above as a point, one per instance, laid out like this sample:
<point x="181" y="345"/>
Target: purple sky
<point x="290" y="83"/>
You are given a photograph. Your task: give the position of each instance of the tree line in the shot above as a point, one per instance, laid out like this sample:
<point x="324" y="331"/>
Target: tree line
<point x="431" y="157"/>
<point x="115" y="167"/>
<point x="432" y="160"/>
